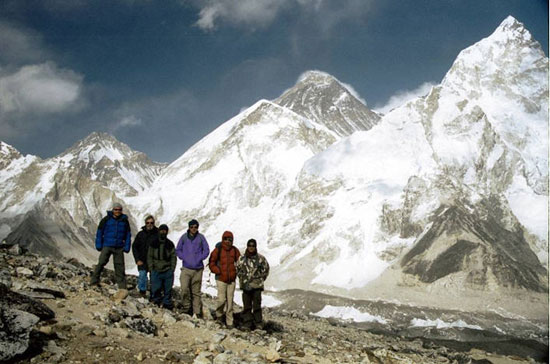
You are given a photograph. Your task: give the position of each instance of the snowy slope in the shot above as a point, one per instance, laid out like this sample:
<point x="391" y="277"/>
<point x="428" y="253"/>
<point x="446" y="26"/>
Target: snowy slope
<point x="478" y="137"/>
<point x="231" y="178"/>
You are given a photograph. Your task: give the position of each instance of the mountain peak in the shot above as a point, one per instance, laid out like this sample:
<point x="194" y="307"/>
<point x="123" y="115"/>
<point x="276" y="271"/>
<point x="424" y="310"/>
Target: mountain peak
<point x="317" y="77"/>
<point x="98" y="145"/>
<point x="511" y="30"/>
<point x="7" y="150"/>
<point x="509" y="59"/>
<point x="323" y="99"/>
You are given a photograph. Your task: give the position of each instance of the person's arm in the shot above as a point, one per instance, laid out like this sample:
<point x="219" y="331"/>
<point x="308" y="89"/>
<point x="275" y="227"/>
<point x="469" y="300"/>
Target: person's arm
<point x="99" y="234"/>
<point x="135" y="252"/>
<point x="149" y="259"/>
<point x="240" y="267"/>
<point x="128" y="242"/>
<point x="212" y="263"/>
<point x="173" y="260"/>
<point x="179" y="248"/>
<point x="265" y="271"/>
<point x="205" y="248"/>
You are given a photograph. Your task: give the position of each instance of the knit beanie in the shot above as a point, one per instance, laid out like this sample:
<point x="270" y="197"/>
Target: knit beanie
<point x="163" y="227"/>
<point x="193" y="222"/>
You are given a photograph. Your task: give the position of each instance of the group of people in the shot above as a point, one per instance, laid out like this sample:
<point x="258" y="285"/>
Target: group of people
<point x="157" y="255"/>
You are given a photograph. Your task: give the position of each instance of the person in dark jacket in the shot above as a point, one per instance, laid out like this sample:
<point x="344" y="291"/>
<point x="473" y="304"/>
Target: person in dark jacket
<point x="112" y="238"/>
<point x="253" y="270"/>
<point x="192" y="249"/>
<point x="161" y="258"/>
<point x="222" y="263"/>
<point x="143" y="239"/>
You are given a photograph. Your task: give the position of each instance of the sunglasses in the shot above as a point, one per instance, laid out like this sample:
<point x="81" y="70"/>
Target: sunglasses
<point x="251" y="246"/>
<point x="193" y="227"/>
<point x="117" y="209"/>
<point x="228" y="239"/>
<point x="149" y="223"/>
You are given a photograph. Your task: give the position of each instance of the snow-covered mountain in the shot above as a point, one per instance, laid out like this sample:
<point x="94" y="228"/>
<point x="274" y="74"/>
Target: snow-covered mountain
<point x="232" y="178"/>
<point x="477" y="143"/>
<point x="54" y="205"/>
<point x="323" y="99"/>
<point x="446" y="193"/>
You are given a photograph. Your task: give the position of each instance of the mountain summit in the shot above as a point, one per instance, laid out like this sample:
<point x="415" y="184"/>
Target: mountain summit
<point x="323" y="99"/>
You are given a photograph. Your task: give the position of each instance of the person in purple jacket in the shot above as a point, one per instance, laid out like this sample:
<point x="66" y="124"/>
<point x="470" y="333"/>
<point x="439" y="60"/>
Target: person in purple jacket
<point x="192" y="249"/>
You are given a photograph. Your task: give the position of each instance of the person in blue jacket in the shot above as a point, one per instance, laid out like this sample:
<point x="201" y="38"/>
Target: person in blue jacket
<point x="112" y="238"/>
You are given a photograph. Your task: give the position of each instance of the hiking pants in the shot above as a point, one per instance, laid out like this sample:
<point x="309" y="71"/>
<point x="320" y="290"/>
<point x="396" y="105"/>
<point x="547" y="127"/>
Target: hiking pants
<point x="161" y="287"/>
<point x="252" y="307"/>
<point x="190" y="282"/>
<point x="225" y="301"/>
<point x="118" y="262"/>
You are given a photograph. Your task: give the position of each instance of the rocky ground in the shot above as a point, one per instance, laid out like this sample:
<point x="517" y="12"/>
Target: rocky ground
<point x="49" y="314"/>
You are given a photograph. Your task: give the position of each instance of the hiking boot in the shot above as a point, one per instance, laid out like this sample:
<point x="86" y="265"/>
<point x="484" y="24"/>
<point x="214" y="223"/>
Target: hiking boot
<point x="143" y="294"/>
<point x="229" y="327"/>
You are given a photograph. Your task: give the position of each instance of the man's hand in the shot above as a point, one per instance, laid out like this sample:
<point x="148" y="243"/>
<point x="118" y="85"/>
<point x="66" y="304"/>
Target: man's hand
<point x="139" y="262"/>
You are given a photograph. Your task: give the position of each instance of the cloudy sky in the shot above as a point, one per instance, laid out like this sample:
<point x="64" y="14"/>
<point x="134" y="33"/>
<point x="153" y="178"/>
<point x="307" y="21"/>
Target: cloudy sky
<point x="160" y="75"/>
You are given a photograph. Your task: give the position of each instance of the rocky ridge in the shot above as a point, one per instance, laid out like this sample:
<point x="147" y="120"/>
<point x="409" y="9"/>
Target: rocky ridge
<point x="59" y="319"/>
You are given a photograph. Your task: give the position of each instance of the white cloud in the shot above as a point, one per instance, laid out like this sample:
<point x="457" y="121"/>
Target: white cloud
<point x="41" y="88"/>
<point x="20" y="45"/>
<point x="252" y="13"/>
<point x="128" y="121"/>
<point x="402" y="96"/>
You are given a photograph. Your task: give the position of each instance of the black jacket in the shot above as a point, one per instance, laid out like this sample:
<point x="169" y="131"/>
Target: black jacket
<point x="141" y="244"/>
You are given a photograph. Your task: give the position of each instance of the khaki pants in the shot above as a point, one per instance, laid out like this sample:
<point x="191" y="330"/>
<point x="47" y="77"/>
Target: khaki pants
<point x="190" y="282"/>
<point x="225" y="301"/>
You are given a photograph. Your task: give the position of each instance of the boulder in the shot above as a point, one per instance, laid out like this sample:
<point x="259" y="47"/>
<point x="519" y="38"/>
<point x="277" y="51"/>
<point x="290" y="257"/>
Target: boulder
<point x="15" y="328"/>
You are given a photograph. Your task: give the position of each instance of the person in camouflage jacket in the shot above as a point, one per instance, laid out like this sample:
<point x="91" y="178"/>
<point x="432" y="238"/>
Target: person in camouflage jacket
<point x="252" y="270"/>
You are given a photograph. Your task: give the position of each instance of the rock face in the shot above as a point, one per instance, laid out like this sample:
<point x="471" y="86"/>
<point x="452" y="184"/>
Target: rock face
<point x="475" y="252"/>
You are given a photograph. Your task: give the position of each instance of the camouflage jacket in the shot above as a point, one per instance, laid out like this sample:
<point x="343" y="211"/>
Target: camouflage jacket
<point x="252" y="271"/>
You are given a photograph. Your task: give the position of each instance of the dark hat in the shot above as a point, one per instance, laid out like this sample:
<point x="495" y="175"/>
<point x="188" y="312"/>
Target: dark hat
<point x="193" y="222"/>
<point x="117" y="205"/>
<point x="163" y="227"/>
<point x="251" y="242"/>
<point x="227" y="234"/>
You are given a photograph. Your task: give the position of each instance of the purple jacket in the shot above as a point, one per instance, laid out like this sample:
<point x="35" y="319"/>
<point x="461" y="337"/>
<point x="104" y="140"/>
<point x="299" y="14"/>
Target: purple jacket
<point x="192" y="252"/>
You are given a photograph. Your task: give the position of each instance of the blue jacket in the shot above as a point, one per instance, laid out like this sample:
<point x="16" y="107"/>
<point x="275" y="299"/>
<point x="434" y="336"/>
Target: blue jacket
<point x="113" y="232"/>
<point x="192" y="251"/>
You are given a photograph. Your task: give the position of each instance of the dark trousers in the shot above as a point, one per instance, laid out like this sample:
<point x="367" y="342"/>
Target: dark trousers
<point x="252" y="307"/>
<point x="118" y="262"/>
<point x="161" y="287"/>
